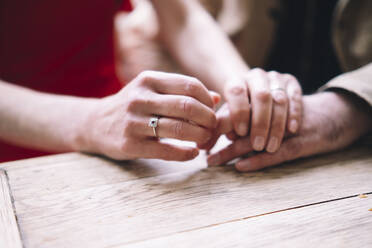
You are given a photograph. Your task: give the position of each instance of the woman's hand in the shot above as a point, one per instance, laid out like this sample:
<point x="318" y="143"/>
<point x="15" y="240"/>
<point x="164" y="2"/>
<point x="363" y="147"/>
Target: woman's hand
<point x="271" y="102"/>
<point x="267" y="105"/>
<point x="119" y="124"/>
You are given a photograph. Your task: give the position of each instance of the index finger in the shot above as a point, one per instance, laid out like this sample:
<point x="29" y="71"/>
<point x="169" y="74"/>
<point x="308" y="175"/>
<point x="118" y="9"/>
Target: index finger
<point x="176" y="84"/>
<point x="236" y="94"/>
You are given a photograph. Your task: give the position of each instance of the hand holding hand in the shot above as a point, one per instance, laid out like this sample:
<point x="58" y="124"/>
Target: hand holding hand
<point x="331" y="121"/>
<point x="263" y="106"/>
<point x="118" y="125"/>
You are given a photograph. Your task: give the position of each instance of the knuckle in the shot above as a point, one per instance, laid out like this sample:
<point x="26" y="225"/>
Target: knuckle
<point x="193" y="86"/>
<point x="263" y="95"/>
<point x="274" y="74"/>
<point x="257" y="71"/>
<point x="133" y="104"/>
<point x="137" y="102"/>
<point x="288" y="77"/>
<point x="187" y="105"/>
<point x="280" y="97"/>
<point x="236" y="90"/>
<point x="146" y="77"/>
<point x="178" y="129"/>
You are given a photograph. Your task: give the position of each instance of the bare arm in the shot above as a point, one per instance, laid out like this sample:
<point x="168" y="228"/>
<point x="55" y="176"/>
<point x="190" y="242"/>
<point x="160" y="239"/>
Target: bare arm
<point x="201" y="47"/>
<point x="197" y="42"/>
<point x="41" y="121"/>
<point x="115" y="126"/>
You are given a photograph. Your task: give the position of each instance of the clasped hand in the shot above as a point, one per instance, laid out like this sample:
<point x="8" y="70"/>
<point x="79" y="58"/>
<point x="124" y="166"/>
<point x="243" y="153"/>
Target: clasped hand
<point x="261" y="105"/>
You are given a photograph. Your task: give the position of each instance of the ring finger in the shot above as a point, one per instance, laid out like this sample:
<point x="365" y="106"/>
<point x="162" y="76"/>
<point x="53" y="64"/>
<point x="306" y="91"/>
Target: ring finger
<point x="279" y="112"/>
<point x="176" y="129"/>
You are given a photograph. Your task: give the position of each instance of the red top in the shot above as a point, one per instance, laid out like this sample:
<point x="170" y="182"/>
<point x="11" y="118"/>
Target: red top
<point x="59" y="46"/>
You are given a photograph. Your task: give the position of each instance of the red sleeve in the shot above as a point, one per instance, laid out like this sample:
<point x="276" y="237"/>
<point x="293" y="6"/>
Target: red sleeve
<point x="126" y="5"/>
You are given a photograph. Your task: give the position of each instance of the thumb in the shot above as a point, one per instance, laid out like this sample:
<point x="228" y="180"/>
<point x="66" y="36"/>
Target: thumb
<point x="291" y="149"/>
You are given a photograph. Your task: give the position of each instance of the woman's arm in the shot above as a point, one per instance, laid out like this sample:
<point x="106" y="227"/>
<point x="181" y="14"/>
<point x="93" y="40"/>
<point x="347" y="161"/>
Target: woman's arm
<point x="42" y="121"/>
<point x="115" y="126"/>
<point x="199" y="45"/>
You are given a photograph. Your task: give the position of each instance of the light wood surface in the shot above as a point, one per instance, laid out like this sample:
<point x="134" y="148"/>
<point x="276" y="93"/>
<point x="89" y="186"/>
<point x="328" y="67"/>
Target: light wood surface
<point x="9" y="234"/>
<point x="342" y="223"/>
<point x="77" y="200"/>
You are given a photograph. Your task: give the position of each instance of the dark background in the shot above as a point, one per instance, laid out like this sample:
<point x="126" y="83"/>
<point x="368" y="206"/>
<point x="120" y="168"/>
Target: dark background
<point x="303" y="45"/>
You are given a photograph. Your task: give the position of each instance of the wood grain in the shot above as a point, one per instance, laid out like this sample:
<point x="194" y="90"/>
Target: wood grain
<point x="92" y="202"/>
<point x="341" y="223"/>
<point x="9" y="234"/>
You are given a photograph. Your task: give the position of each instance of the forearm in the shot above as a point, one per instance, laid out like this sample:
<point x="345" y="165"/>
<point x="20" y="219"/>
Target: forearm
<point x="355" y="113"/>
<point x="41" y="121"/>
<point x="198" y="44"/>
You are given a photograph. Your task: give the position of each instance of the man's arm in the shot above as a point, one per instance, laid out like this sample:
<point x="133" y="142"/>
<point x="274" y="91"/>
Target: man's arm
<point x="332" y="120"/>
<point x="358" y="82"/>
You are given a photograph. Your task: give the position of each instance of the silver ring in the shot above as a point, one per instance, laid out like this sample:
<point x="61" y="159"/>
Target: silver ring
<point x="278" y="88"/>
<point x="153" y="123"/>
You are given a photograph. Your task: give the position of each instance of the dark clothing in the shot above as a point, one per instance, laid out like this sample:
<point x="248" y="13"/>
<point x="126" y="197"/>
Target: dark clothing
<point x="303" y="43"/>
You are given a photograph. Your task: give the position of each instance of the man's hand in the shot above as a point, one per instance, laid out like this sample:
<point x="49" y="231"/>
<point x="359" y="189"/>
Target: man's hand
<point x="331" y="121"/>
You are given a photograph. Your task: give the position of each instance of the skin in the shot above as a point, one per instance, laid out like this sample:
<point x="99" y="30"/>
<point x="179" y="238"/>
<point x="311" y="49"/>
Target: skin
<point x="116" y="126"/>
<point x="331" y="121"/>
<point x="225" y="72"/>
<point x="273" y="106"/>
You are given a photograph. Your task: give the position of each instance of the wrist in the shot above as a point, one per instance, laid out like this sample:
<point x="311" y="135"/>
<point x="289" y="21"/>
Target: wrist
<point x="346" y="112"/>
<point x="83" y="131"/>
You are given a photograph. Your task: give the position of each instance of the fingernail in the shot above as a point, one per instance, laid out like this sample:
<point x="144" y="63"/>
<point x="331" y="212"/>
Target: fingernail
<point x="214" y="160"/>
<point x="293" y="126"/>
<point x="273" y="144"/>
<point x="195" y="153"/>
<point x="278" y="96"/>
<point x="259" y="143"/>
<point x="242" y="129"/>
<point x="242" y="166"/>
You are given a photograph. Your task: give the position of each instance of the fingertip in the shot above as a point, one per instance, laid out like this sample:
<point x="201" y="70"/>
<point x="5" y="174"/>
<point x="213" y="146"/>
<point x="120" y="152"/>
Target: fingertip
<point x="258" y="143"/>
<point x="209" y="144"/>
<point x="243" y="165"/>
<point x="195" y="152"/>
<point x="189" y="153"/>
<point x="273" y="145"/>
<point x="213" y="160"/>
<point x="293" y="126"/>
<point x="242" y="129"/>
<point x="215" y="97"/>
<point x="231" y="136"/>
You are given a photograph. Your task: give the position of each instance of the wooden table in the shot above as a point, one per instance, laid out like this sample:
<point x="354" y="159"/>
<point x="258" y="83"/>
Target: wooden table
<point x="76" y="200"/>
